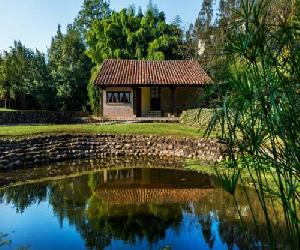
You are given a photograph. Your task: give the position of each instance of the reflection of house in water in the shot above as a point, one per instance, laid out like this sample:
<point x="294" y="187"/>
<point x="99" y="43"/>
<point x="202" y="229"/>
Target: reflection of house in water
<point x="119" y="175"/>
<point x="136" y="186"/>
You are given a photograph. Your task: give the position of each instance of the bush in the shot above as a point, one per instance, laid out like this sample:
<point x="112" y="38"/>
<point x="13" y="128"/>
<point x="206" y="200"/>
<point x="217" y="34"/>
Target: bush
<point x="94" y="93"/>
<point x="198" y="118"/>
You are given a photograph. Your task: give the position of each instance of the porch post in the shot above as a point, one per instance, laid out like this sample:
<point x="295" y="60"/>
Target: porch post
<point x="134" y="100"/>
<point x="173" y="100"/>
<point x="102" y="101"/>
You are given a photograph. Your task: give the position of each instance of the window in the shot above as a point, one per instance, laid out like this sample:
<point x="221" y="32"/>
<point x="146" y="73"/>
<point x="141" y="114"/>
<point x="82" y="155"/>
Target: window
<point x="155" y="92"/>
<point x="117" y="97"/>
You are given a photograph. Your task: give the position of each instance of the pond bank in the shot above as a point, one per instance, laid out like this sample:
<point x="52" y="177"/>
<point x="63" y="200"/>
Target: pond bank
<point x="73" y="168"/>
<point x="41" y="150"/>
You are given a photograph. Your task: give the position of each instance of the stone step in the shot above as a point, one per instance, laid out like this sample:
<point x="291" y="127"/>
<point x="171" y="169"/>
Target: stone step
<point x="154" y="114"/>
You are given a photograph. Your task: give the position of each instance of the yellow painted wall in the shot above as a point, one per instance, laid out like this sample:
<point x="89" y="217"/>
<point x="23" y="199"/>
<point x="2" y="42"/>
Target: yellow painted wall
<point x="145" y="100"/>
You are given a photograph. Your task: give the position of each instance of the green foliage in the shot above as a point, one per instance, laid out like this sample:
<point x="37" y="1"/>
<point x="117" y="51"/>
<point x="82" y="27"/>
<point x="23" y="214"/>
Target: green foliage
<point x="205" y="39"/>
<point x="90" y="11"/>
<point x="205" y="16"/>
<point x="94" y="93"/>
<point x="198" y="118"/>
<point x="229" y="181"/>
<point x="227" y="169"/>
<point x="69" y="69"/>
<point x="62" y="79"/>
<point x="260" y="113"/>
<point x="15" y="77"/>
<point x="24" y="77"/>
<point x="129" y="36"/>
<point x="59" y="84"/>
<point x="59" y="80"/>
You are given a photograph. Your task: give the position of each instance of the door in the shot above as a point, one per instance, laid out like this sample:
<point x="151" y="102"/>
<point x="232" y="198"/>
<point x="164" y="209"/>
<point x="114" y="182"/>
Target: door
<point x="155" y="103"/>
<point x="138" y="102"/>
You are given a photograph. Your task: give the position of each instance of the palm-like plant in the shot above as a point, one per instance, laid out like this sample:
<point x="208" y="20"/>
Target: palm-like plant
<point x="261" y="111"/>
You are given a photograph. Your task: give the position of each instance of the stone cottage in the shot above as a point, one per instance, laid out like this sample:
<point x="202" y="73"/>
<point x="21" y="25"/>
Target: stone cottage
<point x="141" y="88"/>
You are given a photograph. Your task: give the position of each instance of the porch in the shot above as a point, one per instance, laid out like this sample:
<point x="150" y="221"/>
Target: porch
<point x="134" y="89"/>
<point x="147" y="103"/>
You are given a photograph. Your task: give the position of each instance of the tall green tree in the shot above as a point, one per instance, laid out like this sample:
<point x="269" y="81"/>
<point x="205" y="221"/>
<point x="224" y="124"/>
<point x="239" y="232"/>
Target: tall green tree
<point x="42" y="89"/>
<point x="91" y="10"/>
<point x="205" y="18"/>
<point x="70" y="69"/>
<point x="130" y="36"/>
<point x="3" y="91"/>
<point x="205" y="40"/>
<point x="127" y="35"/>
<point x="24" y="77"/>
<point x="15" y="78"/>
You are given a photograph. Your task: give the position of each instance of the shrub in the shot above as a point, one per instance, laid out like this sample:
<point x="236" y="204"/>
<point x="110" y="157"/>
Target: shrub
<point x="94" y="93"/>
<point x="198" y="118"/>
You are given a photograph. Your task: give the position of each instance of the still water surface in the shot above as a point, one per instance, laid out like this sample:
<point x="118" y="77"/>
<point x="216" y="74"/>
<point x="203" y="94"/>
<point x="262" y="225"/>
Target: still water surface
<point x="133" y="208"/>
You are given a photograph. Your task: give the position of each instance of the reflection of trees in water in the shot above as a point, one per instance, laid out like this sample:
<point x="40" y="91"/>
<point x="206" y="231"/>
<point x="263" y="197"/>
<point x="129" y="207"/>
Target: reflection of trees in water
<point x="75" y="200"/>
<point x="68" y="198"/>
<point x="131" y="222"/>
<point x="24" y="196"/>
<point x="232" y="232"/>
<point x="99" y="222"/>
<point x="134" y="221"/>
<point x="206" y="222"/>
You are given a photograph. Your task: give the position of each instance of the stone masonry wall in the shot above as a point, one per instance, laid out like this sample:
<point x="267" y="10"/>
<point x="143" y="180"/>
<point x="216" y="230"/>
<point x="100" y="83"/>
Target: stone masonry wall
<point x="185" y="98"/>
<point x="31" y="117"/>
<point x="26" y="152"/>
<point x="118" y="110"/>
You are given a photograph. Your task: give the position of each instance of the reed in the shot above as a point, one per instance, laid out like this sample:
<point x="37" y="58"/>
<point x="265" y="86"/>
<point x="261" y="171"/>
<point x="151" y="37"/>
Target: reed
<point x="260" y="116"/>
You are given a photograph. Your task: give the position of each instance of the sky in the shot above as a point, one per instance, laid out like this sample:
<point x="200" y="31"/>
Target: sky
<point x="34" y="22"/>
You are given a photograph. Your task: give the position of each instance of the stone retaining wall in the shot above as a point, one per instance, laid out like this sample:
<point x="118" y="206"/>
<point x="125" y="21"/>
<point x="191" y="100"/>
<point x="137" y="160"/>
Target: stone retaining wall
<point x="31" y="117"/>
<point x="17" y="153"/>
<point x="80" y="166"/>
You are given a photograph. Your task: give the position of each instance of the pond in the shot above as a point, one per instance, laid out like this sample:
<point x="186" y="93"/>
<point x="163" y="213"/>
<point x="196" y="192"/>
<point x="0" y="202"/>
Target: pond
<point x="154" y="207"/>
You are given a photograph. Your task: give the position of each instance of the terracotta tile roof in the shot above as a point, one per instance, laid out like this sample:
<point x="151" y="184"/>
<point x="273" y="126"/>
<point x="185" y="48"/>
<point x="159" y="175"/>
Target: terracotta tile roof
<point x="116" y="72"/>
<point x="151" y="195"/>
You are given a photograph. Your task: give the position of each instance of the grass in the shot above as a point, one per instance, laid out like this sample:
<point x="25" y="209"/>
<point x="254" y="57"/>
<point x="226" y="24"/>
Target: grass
<point x="163" y="129"/>
<point x="214" y="170"/>
<point x="6" y="110"/>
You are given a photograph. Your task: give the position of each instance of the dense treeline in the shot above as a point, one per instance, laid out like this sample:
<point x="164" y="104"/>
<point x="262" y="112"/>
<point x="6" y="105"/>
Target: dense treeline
<point x="23" y="73"/>
<point x="61" y="78"/>
<point x="130" y="35"/>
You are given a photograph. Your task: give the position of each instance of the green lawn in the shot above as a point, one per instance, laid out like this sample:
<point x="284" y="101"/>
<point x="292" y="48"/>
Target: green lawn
<point x="166" y="129"/>
<point x="269" y="179"/>
<point x="7" y="110"/>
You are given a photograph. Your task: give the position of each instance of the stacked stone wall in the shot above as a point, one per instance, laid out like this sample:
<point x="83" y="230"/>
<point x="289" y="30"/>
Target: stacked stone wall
<point x="26" y="152"/>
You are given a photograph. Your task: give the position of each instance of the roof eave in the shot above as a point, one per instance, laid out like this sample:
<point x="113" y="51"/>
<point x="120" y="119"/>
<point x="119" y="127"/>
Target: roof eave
<point x="154" y="84"/>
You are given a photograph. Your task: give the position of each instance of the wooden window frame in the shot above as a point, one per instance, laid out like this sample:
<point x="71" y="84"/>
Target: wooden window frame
<point x="155" y="92"/>
<point x="118" y="97"/>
